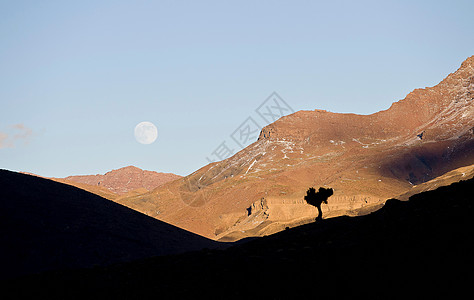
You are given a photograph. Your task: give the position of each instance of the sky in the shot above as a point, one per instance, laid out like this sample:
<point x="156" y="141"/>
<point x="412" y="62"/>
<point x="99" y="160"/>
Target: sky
<point x="76" y="77"/>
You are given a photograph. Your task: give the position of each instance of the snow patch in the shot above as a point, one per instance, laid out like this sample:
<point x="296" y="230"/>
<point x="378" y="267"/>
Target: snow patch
<point x="250" y="167"/>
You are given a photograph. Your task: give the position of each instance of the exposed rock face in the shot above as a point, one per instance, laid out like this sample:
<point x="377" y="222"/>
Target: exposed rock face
<point x="366" y="159"/>
<point x="124" y="180"/>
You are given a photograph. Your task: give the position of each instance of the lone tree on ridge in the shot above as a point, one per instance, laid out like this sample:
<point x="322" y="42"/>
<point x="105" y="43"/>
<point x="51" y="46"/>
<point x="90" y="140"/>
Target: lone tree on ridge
<point x="315" y="199"/>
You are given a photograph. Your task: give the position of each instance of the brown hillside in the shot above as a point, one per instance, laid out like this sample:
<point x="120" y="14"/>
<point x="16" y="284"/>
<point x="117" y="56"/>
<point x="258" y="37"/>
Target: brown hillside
<point x="123" y="180"/>
<point x="366" y="159"/>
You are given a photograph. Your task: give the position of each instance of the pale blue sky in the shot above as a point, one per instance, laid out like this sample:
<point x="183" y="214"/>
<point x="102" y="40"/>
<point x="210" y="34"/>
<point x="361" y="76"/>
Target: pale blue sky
<point x="77" y="76"/>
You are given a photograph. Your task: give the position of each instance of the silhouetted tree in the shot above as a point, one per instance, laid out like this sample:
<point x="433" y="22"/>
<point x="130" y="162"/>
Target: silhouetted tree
<point x="316" y="199"/>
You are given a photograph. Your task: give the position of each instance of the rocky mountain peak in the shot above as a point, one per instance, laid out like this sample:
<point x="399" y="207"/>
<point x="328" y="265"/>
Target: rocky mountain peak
<point x="449" y="101"/>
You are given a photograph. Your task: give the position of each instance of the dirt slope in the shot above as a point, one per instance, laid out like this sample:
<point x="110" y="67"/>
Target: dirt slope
<point x="366" y="159"/>
<point x="124" y="180"/>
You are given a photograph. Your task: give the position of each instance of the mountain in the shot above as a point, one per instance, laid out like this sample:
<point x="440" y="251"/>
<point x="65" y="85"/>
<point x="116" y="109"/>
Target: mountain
<point x="443" y="180"/>
<point x="366" y="159"/>
<point x="46" y="225"/>
<point x="124" y="180"/>
<point x="421" y="248"/>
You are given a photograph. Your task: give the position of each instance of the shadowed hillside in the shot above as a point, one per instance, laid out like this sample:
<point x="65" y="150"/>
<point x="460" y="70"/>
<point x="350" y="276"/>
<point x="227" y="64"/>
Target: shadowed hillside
<point x="46" y="225"/>
<point x="419" y="248"/>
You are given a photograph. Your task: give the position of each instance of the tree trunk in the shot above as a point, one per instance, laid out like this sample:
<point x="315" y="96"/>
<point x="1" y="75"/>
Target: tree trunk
<point x="320" y="213"/>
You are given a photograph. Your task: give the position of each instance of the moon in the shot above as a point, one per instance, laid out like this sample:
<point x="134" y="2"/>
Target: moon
<point x="146" y="132"/>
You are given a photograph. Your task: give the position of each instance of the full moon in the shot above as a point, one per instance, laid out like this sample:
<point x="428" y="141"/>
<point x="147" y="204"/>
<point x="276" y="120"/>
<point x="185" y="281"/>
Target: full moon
<point x="146" y="133"/>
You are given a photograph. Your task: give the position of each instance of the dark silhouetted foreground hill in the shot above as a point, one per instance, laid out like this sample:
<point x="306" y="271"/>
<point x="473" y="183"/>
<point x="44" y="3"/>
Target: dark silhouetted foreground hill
<point x="419" y="248"/>
<point x="46" y="225"/>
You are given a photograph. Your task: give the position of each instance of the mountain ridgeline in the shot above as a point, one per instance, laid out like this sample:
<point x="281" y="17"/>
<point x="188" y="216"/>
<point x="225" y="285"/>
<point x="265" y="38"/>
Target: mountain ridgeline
<point x="366" y="159"/>
<point x="422" y="248"/>
<point x="134" y="233"/>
